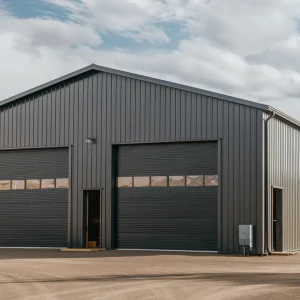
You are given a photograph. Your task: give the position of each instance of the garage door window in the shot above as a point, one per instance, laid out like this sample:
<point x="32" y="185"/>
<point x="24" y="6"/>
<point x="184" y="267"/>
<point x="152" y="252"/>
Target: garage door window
<point x="33" y="184"/>
<point x="4" y="185"/>
<point x="18" y="184"/>
<point x="211" y="180"/>
<point x="124" y="181"/>
<point x="141" y="181"/>
<point x="159" y="181"/>
<point x="163" y="181"/>
<point x="176" y="180"/>
<point x="194" y="180"/>
<point x="48" y="184"/>
<point x="62" y="183"/>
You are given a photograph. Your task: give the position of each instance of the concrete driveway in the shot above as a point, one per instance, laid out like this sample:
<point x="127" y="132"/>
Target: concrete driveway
<point x="50" y="274"/>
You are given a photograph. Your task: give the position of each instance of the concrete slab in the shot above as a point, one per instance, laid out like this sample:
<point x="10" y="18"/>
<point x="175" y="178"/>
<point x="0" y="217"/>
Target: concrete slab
<point x="135" y="275"/>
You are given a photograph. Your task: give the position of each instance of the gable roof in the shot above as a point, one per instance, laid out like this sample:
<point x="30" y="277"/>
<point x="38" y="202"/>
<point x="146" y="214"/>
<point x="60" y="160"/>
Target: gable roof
<point x="94" y="67"/>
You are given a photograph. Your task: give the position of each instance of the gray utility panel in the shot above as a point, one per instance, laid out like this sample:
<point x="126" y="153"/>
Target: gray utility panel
<point x="33" y="217"/>
<point x="167" y="217"/>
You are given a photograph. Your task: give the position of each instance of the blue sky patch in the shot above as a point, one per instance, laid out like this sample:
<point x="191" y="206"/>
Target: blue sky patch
<point x="34" y="9"/>
<point x="42" y="9"/>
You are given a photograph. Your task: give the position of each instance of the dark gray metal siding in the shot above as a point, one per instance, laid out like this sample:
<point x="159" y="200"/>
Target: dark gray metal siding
<point x="116" y="109"/>
<point x="181" y="218"/>
<point x="284" y="171"/>
<point x="34" y="218"/>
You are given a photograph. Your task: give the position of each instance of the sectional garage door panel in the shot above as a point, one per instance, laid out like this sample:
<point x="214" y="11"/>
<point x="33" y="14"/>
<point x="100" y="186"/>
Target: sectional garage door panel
<point x="168" y="159"/>
<point x="34" y="218"/>
<point x="179" y="218"/>
<point x="167" y="218"/>
<point x="35" y="163"/>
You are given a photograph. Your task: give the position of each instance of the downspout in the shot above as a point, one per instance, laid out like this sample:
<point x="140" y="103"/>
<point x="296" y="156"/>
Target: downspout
<point x="267" y="250"/>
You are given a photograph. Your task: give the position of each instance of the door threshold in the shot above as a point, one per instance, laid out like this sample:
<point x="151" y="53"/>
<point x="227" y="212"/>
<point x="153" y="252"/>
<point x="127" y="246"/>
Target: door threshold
<point x="82" y="249"/>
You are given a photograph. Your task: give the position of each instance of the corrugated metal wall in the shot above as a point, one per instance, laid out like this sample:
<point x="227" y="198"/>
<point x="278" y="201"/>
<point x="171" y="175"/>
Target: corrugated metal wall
<point x="284" y="171"/>
<point x="116" y="109"/>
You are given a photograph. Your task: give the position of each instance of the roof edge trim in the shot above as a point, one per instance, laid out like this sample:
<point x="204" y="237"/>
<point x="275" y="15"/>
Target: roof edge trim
<point x="46" y="85"/>
<point x="284" y="116"/>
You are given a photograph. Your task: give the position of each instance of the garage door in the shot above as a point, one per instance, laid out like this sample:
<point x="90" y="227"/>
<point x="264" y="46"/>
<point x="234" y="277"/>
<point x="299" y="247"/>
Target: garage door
<point x="34" y="198"/>
<point x="166" y="196"/>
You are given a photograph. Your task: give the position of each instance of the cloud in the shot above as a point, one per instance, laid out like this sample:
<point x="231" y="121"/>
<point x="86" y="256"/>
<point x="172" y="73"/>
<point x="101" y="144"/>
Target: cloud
<point x="213" y="69"/>
<point x="245" y="27"/>
<point x="48" y="33"/>
<point x="130" y="18"/>
<point x="283" y="55"/>
<point x="3" y="10"/>
<point x="240" y="48"/>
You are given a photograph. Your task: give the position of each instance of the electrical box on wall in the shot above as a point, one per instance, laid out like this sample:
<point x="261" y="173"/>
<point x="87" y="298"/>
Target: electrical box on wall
<point x="246" y="235"/>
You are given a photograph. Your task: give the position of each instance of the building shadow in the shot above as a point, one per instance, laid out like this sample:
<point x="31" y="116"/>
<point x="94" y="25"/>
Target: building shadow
<point x="56" y="253"/>
<point x="244" y="279"/>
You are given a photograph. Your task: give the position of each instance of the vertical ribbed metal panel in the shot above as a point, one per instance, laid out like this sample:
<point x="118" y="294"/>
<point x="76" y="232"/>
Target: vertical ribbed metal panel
<point x="283" y="143"/>
<point x="116" y="109"/>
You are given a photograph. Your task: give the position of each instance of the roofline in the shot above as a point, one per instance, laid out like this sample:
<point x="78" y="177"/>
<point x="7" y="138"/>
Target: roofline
<point x="94" y="67"/>
<point x="45" y="85"/>
<point x="284" y="116"/>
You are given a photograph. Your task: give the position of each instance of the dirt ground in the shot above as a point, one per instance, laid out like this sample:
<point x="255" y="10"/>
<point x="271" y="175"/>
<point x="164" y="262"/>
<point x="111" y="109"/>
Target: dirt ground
<point x="51" y="274"/>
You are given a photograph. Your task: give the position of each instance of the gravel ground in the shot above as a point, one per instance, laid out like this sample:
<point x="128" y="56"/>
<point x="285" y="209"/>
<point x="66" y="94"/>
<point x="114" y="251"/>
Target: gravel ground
<point x="51" y="274"/>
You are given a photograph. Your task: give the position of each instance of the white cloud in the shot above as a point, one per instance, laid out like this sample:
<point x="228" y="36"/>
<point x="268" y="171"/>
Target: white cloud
<point x="245" y="27"/>
<point x="130" y="18"/>
<point x="48" y="33"/>
<point x="245" y="49"/>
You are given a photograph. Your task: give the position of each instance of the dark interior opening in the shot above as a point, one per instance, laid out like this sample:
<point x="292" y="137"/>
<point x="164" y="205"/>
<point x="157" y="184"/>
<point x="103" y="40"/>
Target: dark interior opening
<point x="277" y="228"/>
<point x="91" y="219"/>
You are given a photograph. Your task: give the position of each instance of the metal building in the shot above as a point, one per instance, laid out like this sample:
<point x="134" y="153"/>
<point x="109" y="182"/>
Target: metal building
<point x="106" y="158"/>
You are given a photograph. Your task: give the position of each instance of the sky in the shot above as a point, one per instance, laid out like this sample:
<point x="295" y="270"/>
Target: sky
<point x="248" y="49"/>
